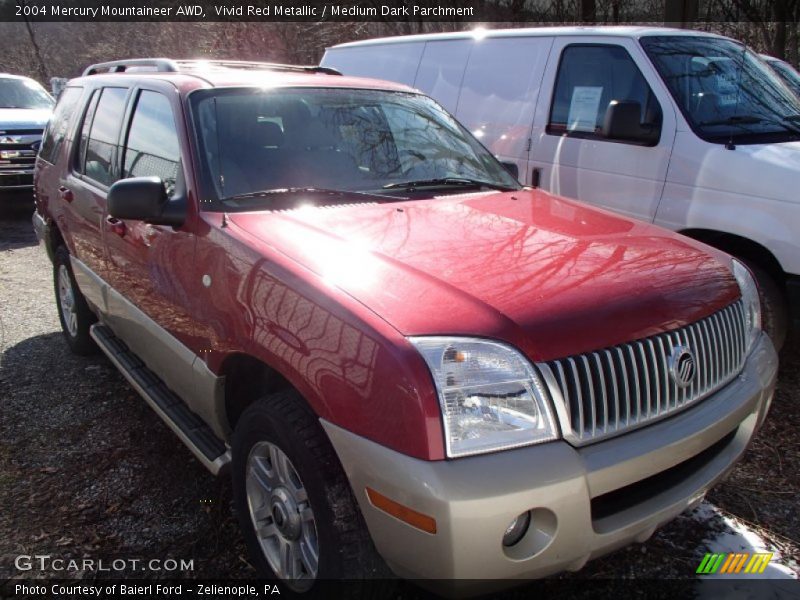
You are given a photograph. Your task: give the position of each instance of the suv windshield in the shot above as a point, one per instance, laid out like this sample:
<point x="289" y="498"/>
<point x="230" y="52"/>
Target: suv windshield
<point x="23" y="93"/>
<point x="257" y="143"/>
<point x="725" y="91"/>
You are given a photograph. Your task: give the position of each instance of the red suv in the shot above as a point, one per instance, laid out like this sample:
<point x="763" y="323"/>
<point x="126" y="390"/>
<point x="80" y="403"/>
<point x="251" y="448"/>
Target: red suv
<point x="404" y="357"/>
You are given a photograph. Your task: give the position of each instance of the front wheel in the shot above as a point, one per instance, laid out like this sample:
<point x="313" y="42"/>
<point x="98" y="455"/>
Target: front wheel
<point x="298" y="514"/>
<point x="774" y="309"/>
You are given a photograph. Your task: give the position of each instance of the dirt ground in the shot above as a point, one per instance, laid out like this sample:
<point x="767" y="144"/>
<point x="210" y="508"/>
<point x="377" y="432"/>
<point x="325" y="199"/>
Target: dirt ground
<point x="88" y="470"/>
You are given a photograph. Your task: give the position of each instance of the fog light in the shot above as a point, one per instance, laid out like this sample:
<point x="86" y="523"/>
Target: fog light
<point x="516" y="529"/>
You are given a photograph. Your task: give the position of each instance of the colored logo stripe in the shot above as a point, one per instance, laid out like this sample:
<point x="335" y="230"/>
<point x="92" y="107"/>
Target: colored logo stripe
<point x="734" y="562"/>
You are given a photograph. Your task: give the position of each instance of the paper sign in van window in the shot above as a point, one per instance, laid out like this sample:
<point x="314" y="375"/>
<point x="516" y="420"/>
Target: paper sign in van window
<point x="583" y="108"/>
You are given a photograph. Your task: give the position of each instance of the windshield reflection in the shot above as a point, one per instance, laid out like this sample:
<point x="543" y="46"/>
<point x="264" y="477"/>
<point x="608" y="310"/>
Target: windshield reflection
<point x="23" y="93"/>
<point x="786" y="72"/>
<point x="724" y="90"/>
<point x="261" y="143"/>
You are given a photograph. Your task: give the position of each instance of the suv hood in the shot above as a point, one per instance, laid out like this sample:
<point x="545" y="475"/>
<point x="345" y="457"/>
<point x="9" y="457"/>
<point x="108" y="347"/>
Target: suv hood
<point x="23" y="118"/>
<point x="549" y="275"/>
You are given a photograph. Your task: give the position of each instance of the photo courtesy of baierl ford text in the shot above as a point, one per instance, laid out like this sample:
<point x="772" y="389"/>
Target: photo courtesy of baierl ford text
<point x="399" y="300"/>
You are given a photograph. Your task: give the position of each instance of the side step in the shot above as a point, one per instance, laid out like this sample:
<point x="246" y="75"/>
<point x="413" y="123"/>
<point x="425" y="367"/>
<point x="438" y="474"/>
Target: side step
<point x="190" y="428"/>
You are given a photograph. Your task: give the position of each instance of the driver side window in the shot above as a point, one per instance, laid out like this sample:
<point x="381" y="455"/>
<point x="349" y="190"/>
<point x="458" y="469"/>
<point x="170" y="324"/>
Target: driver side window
<point x="591" y="80"/>
<point x="152" y="147"/>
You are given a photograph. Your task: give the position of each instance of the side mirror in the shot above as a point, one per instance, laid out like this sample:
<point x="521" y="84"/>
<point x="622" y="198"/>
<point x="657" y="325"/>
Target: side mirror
<point x="145" y="199"/>
<point x="623" y="122"/>
<point x="512" y="168"/>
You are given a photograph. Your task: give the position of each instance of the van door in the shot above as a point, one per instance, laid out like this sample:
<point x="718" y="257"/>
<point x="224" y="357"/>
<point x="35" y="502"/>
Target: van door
<point x="605" y="133"/>
<point x="499" y="94"/>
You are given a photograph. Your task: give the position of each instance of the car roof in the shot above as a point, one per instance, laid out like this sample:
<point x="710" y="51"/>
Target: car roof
<point x="629" y="31"/>
<point x="190" y="79"/>
<point x="11" y="76"/>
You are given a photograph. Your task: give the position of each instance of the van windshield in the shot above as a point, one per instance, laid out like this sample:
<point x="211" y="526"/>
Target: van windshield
<point x="259" y="143"/>
<point x="786" y="72"/>
<point x="724" y="90"/>
<point x="23" y="93"/>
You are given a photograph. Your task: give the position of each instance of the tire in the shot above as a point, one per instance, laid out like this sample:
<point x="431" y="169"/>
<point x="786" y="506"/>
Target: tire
<point x="281" y="426"/>
<point x="774" y="309"/>
<point x="74" y="313"/>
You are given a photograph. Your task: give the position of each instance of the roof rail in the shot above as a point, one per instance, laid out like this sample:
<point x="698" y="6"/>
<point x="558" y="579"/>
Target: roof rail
<point x="255" y="65"/>
<point x="120" y="66"/>
<point x="166" y="65"/>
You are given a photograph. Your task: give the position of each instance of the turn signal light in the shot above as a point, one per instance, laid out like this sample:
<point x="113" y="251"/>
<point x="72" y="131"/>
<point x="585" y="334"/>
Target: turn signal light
<point x="404" y="513"/>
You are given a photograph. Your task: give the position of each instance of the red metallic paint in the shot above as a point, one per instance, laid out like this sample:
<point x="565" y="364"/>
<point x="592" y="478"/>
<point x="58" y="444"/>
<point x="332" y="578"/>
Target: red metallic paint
<point x="551" y="276"/>
<point x="327" y="295"/>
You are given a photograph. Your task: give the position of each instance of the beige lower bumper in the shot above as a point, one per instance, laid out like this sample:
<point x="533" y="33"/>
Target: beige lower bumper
<point x="571" y="491"/>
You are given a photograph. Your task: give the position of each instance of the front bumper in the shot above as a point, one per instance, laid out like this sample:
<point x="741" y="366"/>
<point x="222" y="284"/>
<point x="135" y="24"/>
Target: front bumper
<point x="585" y="501"/>
<point x="16" y="180"/>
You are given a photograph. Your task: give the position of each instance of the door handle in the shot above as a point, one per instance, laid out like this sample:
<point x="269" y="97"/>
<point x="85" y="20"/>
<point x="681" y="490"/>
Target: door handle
<point x="116" y="226"/>
<point x="536" y="177"/>
<point x="66" y="194"/>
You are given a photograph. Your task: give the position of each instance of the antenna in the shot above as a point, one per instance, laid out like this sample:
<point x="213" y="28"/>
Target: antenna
<point x="730" y="145"/>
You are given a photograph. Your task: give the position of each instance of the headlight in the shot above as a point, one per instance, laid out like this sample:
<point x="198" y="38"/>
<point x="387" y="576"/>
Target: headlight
<point x="491" y="398"/>
<point x="751" y="301"/>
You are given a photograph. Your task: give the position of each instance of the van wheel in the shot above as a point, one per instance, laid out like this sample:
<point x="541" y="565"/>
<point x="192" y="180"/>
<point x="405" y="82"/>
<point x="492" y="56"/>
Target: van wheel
<point x="300" y="520"/>
<point x="774" y="309"/>
<point x="74" y="313"/>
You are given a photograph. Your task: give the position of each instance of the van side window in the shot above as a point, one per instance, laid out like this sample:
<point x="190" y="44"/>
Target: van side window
<point x="59" y="124"/>
<point x="152" y="147"/>
<point x="590" y="79"/>
<point x="103" y="137"/>
<point x="498" y="108"/>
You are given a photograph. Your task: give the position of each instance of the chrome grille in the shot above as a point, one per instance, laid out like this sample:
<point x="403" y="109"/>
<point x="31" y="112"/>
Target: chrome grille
<point x="609" y="391"/>
<point x="23" y="144"/>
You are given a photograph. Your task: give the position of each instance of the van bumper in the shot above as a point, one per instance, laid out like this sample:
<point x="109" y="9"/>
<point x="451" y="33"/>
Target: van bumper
<point x="583" y="500"/>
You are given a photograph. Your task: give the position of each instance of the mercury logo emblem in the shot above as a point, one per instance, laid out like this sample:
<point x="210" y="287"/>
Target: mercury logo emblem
<point x="682" y="366"/>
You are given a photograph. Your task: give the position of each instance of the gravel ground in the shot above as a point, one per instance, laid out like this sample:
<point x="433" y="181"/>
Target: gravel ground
<point x="88" y="470"/>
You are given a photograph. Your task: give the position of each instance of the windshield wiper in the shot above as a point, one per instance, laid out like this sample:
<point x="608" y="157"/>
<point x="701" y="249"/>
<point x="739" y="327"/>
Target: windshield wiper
<point x="446" y="181"/>
<point x="301" y="190"/>
<point x="735" y="120"/>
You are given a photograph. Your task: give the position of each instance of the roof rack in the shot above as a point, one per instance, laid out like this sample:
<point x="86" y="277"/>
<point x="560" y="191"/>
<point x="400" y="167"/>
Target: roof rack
<point x="167" y="65"/>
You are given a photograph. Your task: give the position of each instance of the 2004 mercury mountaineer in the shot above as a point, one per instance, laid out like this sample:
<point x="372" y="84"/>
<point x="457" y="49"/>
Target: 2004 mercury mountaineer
<point x="404" y="355"/>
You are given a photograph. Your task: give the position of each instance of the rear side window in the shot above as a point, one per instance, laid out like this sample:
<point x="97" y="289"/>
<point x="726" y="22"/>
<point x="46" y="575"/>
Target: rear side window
<point x="59" y="124"/>
<point x="589" y="78"/>
<point x="152" y="147"/>
<point x="442" y="69"/>
<point x="102" y="141"/>
<point x="393" y="62"/>
<point x="498" y="108"/>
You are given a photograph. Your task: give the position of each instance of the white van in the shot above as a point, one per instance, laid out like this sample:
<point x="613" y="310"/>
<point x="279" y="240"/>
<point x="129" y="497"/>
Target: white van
<point x="689" y="130"/>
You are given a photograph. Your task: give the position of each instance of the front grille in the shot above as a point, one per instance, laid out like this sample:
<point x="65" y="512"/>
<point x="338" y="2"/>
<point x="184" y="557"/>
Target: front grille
<point x="22" y="146"/>
<point x="24" y="162"/>
<point x="623" y="387"/>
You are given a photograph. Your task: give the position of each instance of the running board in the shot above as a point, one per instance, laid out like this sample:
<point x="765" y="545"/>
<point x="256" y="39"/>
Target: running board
<point x="190" y="428"/>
